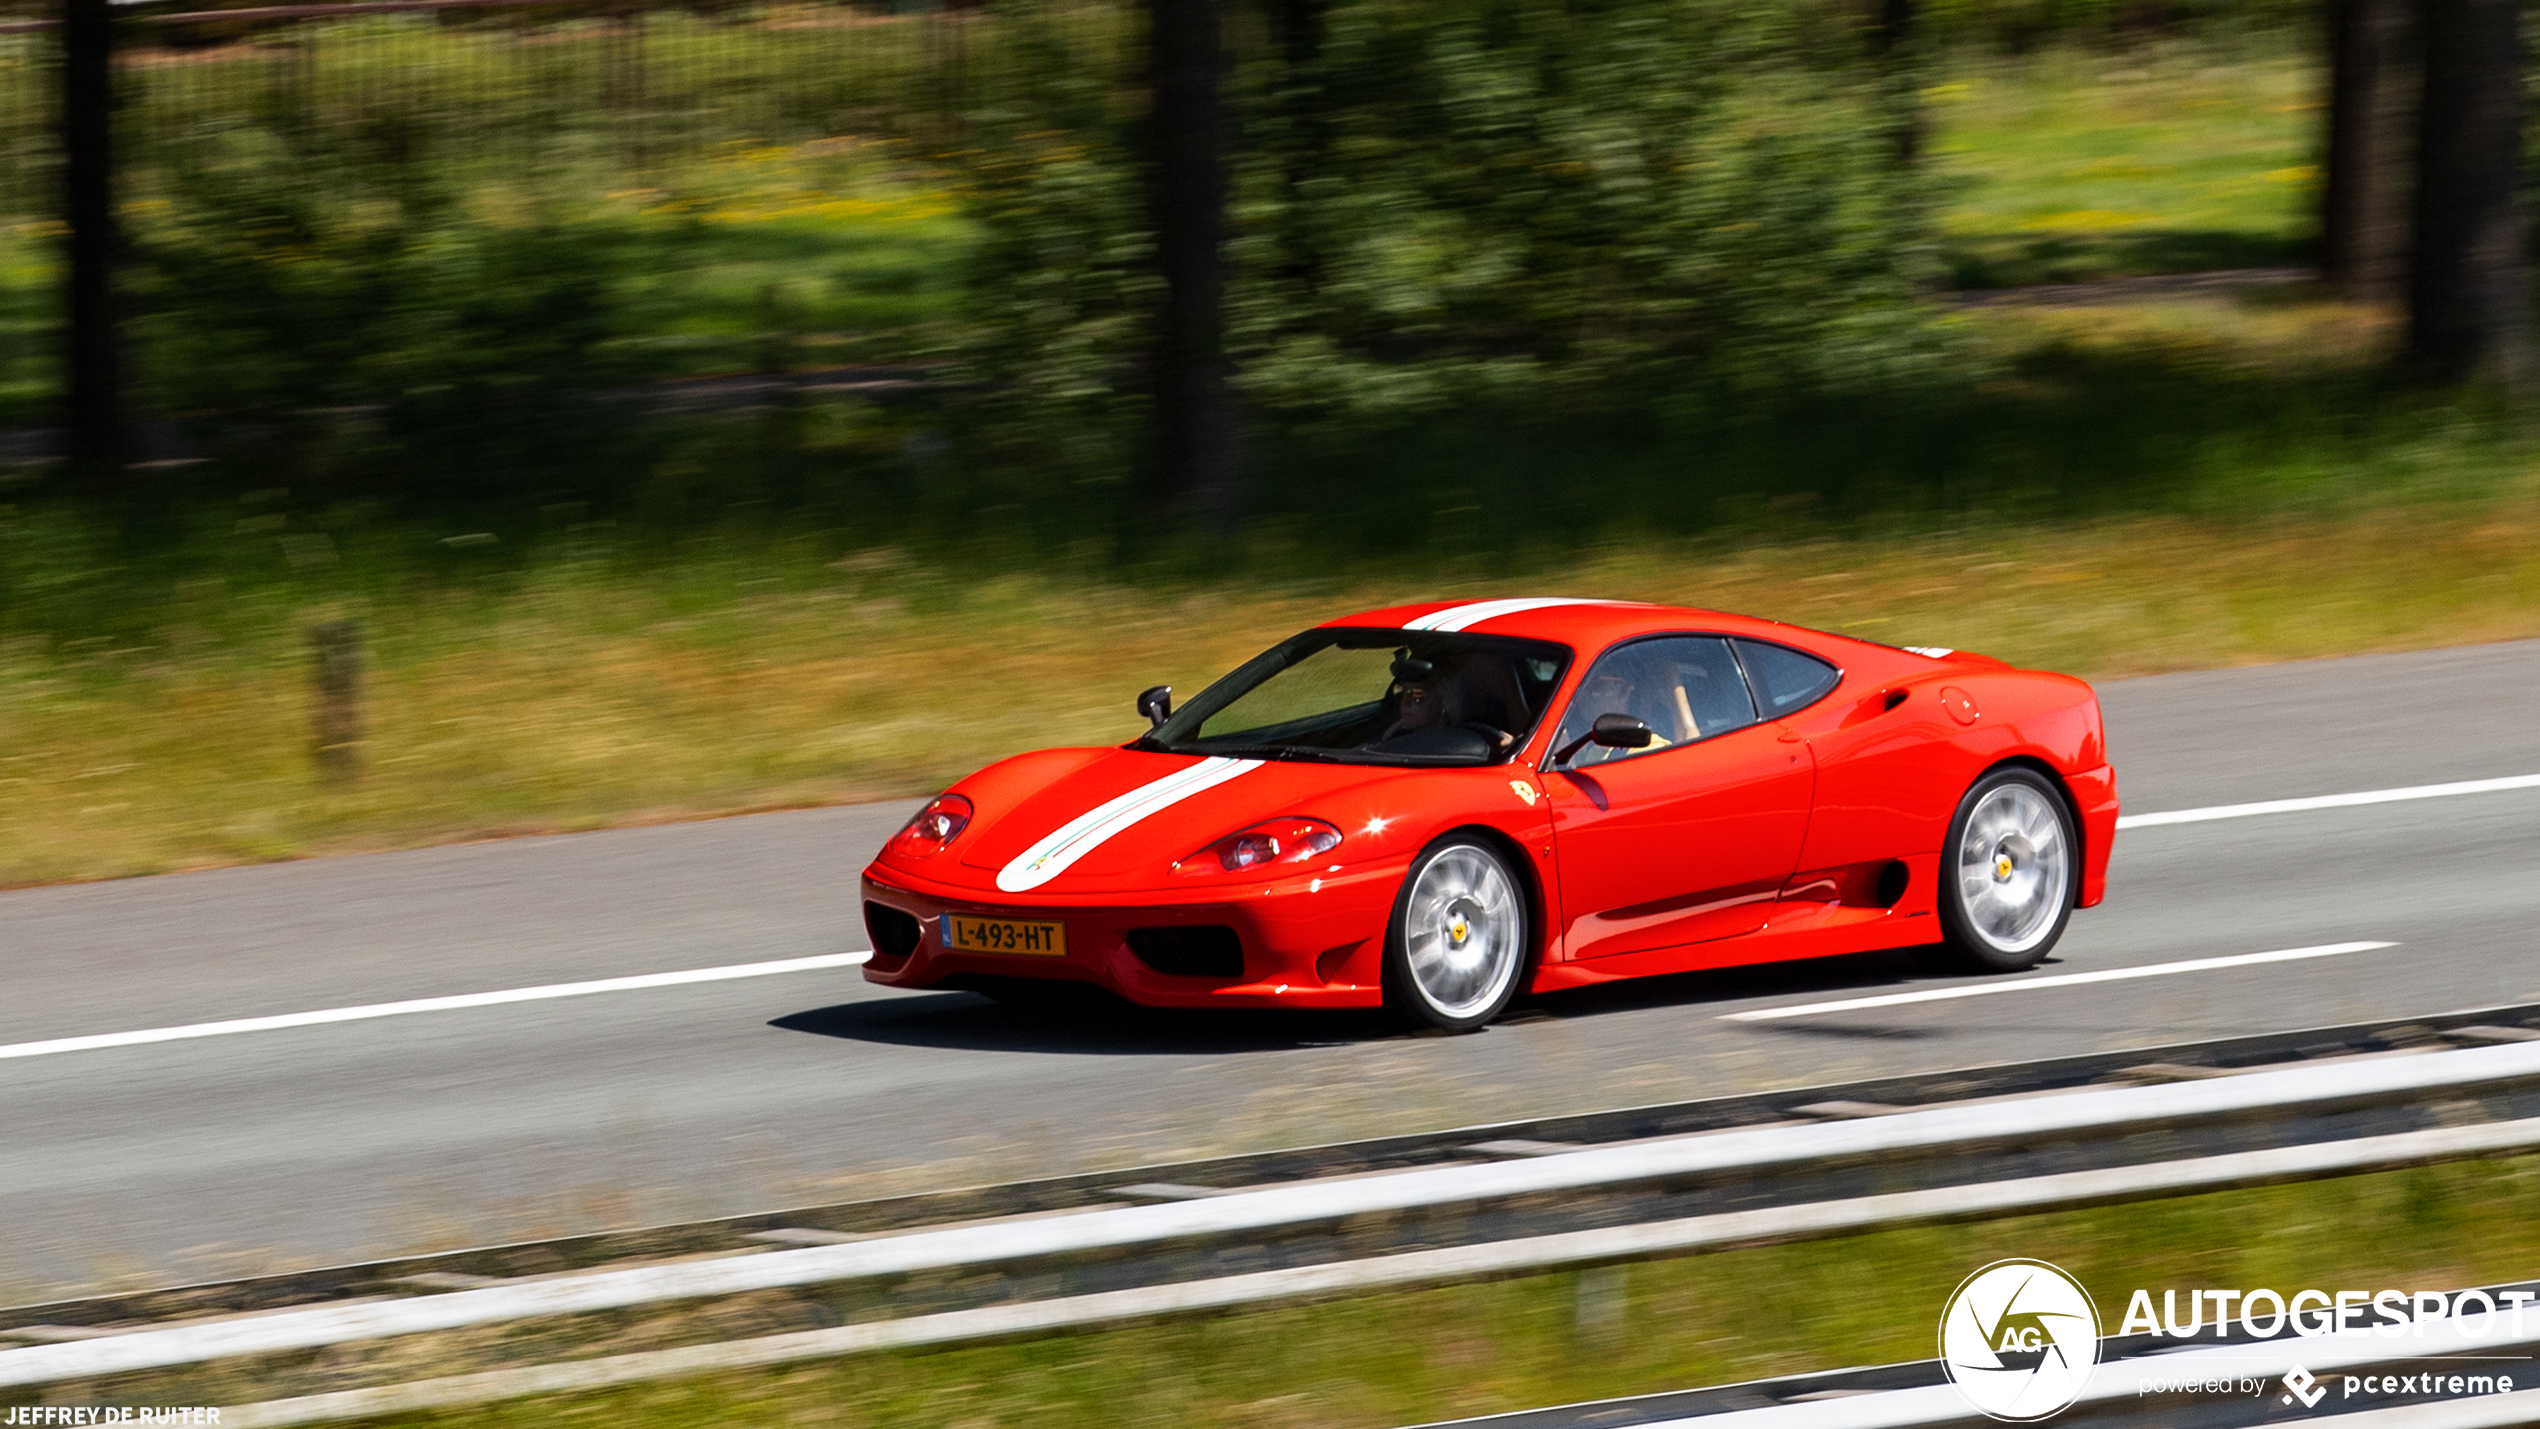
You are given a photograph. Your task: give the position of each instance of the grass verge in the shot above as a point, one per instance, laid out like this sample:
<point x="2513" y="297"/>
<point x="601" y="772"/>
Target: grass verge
<point x="581" y="693"/>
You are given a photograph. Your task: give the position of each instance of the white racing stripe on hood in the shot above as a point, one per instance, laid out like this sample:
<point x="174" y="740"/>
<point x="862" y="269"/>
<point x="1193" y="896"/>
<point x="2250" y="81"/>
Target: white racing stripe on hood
<point x="1459" y="617"/>
<point x="1088" y="831"/>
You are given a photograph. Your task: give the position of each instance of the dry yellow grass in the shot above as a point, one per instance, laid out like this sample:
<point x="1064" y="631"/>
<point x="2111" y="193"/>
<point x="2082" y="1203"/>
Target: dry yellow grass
<point x="579" y="698"/>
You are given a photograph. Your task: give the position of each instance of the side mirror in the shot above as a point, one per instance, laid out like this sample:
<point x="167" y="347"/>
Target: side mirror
<point x="1620" y="731"/>
<point x="1614" y="731"/>
<point x="1156" y="703"/>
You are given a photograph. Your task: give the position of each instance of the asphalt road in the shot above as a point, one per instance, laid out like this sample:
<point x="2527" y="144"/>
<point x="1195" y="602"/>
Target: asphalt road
<point x="231" y="1154"/>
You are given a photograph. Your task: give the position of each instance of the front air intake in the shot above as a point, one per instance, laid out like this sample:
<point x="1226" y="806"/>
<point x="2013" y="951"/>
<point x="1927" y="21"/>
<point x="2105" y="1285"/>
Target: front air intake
<point x="1205" y="950"/>
<point x="894" y="933"/>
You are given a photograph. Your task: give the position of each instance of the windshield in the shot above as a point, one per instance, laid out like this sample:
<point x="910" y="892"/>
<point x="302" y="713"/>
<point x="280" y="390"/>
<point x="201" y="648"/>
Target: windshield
<point x="1373" y="697"/>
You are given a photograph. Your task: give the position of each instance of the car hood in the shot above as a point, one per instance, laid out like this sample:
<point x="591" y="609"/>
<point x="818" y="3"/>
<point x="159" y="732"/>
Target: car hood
<point x="1091" y="819"/>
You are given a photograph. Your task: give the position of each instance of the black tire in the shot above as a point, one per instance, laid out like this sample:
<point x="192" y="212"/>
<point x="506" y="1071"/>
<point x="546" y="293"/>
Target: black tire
<point x="1460" y="939"/>
<point x="2008" y="874"/>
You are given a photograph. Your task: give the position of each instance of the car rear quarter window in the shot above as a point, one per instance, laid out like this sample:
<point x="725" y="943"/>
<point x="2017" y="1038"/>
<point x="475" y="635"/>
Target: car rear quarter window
<point x="1785" y="679"/>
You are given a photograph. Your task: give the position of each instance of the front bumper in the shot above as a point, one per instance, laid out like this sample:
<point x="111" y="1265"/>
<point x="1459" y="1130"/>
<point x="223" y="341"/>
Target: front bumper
<point x="2095" y="791"/>
<point x="1308" y="940"/>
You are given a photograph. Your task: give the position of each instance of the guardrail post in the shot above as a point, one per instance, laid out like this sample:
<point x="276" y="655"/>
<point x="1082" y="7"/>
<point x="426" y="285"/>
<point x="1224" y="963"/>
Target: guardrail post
<point x="336" y="717"/>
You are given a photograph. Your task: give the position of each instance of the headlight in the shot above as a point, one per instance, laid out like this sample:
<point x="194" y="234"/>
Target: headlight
<point x="936" y="825"/>
<point x="1271" y="842"/>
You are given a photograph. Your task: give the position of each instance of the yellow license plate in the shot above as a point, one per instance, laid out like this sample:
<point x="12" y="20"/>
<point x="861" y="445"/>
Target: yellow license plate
<point x="1005" y="935"/>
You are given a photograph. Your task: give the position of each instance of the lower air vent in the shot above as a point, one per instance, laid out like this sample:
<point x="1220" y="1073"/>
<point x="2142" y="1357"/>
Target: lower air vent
<point x="894" y="932"/>
<point x="1892" y="881"/>
<point x="1208" y="950"/>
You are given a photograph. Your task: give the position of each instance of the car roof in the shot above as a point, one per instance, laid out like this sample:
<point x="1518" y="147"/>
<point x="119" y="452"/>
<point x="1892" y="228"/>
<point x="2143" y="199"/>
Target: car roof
<point x="1580" y="624"/>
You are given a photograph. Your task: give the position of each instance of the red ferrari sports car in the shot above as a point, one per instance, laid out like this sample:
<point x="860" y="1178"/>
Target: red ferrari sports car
<point x="1431" y="807"/>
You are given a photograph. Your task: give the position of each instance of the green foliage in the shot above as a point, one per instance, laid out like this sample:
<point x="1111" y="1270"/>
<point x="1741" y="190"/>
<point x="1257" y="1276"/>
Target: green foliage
<point x="2020" y="25"/>
<point x="1515" y="201"/>
<point x="1480" y="253"/>
<point x="351" y="326"/>
<point x="1522" y="201"/>
<point x="435" y="268"/>
<point x="30" y="294"/>
<point x="274" y="282"/>
<point x="1060" y="283"/>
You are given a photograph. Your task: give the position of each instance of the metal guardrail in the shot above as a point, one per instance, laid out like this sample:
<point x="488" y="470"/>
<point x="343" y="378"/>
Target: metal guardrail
<point x="425" y="1274"/>
<point x="1543" y="1206"/>
<point x="1578" y="1248"/>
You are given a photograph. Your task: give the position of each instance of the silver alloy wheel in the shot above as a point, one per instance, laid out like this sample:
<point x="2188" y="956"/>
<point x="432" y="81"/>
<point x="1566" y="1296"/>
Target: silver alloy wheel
<point x="2014" y="868"/>
<point x="1463" y="932"/>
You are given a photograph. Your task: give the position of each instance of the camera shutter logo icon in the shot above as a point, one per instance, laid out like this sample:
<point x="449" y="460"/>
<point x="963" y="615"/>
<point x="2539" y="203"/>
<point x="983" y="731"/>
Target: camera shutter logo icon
<point x="2020" y="1339"/>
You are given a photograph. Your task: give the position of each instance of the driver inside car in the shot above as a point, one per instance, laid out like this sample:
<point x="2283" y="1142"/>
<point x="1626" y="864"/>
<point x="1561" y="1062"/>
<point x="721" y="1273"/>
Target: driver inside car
<point x="1426" y="698"/>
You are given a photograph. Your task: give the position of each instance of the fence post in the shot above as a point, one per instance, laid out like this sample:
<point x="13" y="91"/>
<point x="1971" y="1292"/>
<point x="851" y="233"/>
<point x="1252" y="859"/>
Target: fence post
<point x="336" y="716"/>
<point x="88" y="211"/>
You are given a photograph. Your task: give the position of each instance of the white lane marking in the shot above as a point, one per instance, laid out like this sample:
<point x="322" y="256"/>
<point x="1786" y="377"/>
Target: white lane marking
<point x="1931" y="652"/>
<point x="428" y="1004"/>
<point x="1090" y="830"/>
<point x="1460" y="617"/>
<point x="2330" y="801"/>
<point x="1937" y="994"/>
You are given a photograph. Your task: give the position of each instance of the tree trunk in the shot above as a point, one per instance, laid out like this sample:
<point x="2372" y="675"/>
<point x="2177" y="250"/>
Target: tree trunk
<point x="88" y="211"/>
<point x="1195" y="416"/>
<point x="2372" y="109"/>
<point x="2468" y="309"/>
<point x="1893" y="41"/>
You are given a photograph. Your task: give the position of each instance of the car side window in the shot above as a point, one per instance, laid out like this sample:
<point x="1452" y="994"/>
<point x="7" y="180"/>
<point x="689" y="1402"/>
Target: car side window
<point x="1684" y="687"/>
<point x="1785" y="679"/>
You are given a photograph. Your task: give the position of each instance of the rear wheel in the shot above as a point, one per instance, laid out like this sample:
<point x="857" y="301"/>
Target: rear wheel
<point x="1458" y="940"/>
<point x="2006" y="873"/>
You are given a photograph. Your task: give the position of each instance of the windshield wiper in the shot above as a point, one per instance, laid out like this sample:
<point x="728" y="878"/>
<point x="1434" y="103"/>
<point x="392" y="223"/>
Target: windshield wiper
<point x="1296" y="752"/>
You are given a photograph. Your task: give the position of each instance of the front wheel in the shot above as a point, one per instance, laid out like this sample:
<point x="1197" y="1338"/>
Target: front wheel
<point x="2006" y="873"/>
<point x="1458" y="940"/>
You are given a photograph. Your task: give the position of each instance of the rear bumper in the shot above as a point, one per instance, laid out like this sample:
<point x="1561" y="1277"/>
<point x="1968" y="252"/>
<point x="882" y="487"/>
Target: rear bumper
<point x="1307" y="941"/>
<point x="2095" y="793"/>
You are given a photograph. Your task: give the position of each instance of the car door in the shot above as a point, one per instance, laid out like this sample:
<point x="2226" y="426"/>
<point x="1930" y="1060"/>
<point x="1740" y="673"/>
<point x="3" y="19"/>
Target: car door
<point x="1881" y="791"/>
<point x="1689" y="839"/>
